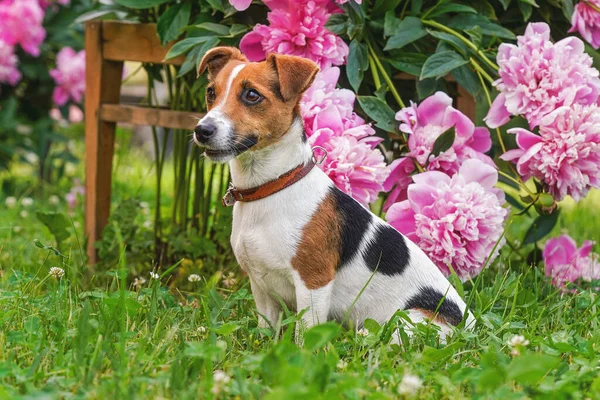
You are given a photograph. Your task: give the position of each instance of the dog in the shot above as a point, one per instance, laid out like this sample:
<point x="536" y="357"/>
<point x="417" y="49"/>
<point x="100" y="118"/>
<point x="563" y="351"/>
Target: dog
<point x="300" y="239"/>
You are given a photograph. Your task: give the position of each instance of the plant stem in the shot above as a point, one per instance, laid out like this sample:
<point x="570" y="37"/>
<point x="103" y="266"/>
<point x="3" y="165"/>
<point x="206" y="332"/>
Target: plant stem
<point x="376" y="78"/>
<point x="466" y="41"/>
<point x="481" y="71"/>
<point x="386" y="77"/>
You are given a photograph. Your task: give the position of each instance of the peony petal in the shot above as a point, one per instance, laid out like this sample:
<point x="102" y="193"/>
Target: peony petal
<point x="402" y="217"/>
<point x="421" y="196"/>
<point x="240" y="5"/>
<point x="251" y="46"/>
<point x="476" y="171"/>
<point x="431" y="178"/>
<point x="482" y="140"/>
<point x="525" y="139"/>
<point x="431" y="111"/>
<point x="498" y="115"/>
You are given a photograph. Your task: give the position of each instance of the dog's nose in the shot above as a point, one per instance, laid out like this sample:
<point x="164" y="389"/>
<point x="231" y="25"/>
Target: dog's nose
<point x="204" y="131"/>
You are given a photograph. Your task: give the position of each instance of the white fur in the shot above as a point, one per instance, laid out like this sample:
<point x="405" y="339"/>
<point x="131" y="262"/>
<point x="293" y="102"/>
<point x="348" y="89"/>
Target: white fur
<point x="266" y="234"/>
<point x="225" y="133"/>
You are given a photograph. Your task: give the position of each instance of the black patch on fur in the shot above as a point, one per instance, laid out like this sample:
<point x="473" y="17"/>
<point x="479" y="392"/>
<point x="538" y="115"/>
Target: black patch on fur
<point x="429" y="299"/>
<point x="275" y="88"/>
<point x="355" y="221"/>
<point x="387" y="252"/>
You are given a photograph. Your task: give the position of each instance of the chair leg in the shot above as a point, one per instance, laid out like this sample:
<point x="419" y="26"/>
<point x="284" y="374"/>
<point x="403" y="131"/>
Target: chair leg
<point x="103" y="85"/>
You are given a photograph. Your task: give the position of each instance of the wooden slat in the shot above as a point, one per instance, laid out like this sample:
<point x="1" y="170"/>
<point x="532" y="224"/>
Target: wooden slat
<point x="149" y="116"/>
<point x="123" y="41"/>
<point x="103" y="84"/>
<point x="403" y="76"/>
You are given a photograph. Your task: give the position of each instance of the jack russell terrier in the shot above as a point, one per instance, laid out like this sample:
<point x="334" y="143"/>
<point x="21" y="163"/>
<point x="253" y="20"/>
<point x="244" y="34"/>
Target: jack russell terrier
<point x="299" y="238"/>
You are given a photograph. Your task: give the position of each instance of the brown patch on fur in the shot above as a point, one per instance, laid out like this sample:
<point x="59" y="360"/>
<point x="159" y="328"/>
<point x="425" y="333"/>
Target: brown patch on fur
<point x="318" y="254"/>
<point x="280" y="80"/>
<point x="434" y="317"/>
<point x="217" y="58"/>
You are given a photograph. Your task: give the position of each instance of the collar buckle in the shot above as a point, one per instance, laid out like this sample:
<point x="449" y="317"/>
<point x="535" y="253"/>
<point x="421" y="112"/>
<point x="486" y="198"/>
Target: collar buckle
<point x="229" y="199"/>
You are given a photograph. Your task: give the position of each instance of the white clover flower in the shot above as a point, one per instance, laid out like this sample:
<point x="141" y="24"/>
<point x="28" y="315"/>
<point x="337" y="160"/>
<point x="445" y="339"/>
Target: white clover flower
<point x="77" y="224"/>
<point x="194" y="278"/>
<point x="56" y="272"/>
<point x="517" y="340"/>
<point x="139" y="282"/>
<point x="154" y="275"/>
<point x="144" y="204"/>
<point x="24" y="214"/>
<point x="147" y="224"/>
<point x="220" y="377"/>
<point x="220" y="380"/>
<point x="26" y="201"/>
<point x="31" y="157"/>
<point x="54" y="199"/>
<point x="410" y="384"/>
<point x="201" y="330"/>
<point x="17" y="229"/>
<point x="363" y="332"/>
<point x="229" y="280"/>
<point x="342" y="364"/>
<point x="10" y="202"/>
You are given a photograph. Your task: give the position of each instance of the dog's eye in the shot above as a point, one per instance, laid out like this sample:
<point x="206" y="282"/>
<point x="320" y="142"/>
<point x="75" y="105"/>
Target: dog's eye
<point x="210" y="94"/>
<point x="251" y="96"/>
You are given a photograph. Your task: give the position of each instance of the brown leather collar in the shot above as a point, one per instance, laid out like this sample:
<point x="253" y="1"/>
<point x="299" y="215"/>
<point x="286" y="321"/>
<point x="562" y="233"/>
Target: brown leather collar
<point x="260" y="192"/>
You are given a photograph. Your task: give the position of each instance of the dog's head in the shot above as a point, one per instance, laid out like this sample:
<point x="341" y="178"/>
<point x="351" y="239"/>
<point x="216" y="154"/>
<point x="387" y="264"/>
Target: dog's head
<point x="250" y="105"/>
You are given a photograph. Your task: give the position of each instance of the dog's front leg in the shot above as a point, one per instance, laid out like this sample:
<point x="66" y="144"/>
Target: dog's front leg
<point x="268" y="308"/>
<point x="315" y="301"/>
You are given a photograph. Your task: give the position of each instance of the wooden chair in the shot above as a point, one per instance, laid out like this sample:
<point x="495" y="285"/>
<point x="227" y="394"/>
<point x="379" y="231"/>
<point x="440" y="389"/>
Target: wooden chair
<point x="108" y="45"/>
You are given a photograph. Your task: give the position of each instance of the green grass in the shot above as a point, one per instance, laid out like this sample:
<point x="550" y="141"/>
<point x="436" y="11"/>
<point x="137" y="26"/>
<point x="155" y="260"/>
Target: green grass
<point x="100" y="337"/>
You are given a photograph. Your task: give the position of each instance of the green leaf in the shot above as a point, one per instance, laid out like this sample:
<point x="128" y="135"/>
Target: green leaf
<point x="411" y="63"/>
<point x="443" y="142"/>
<point x="185" y="45"/>
<point x="529" y="369"/>
<point x="469" y="21"/>
<point x="409" y="30"/>
<point x="220" y="30"/>
<point x="542" y="226"/>
<point x="451" y="8"/>
<point x="140" y="4"/>
<point x="426" y="87"/>
<point x="468" y="79"/>
<point x="432" y="354"/>
<point x="379" y="112"/>
<point x="526" y="10"/>
<point x="318" y="336"/>
<point x="57" y="223"/>
<point x="451" y="39"/>
<point x="391" y="24"/>
<point x="172" y="21"/>
<point x="357" y="63"/>
<point x="226" y="329"/>
<point x="337" y="23"/>
<point x="567" y="8"/>
<point x="505" y="4"/>
<point x="384" y="6"/>
<point x="441" y="64"/>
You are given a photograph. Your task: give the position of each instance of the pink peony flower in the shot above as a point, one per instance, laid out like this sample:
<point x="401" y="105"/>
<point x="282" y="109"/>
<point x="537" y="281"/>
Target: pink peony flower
<point x="355" y="167"/>
<point x="537" y="77"/>
<point x="240" y="5"/>
<point x="8" y="65"/>
<point x="565" y="263"/>
<point x="296" y="28"/>
<point x="566" y="154"/>
<point x="22" y="24"/>
<point x="77" y="190"/>
<point x="455" y="220"/>
<point x="424" y="124"/>
<point x="69" y="76"/>
<point x="586" y="21"/>
<point x="353" y="163"/>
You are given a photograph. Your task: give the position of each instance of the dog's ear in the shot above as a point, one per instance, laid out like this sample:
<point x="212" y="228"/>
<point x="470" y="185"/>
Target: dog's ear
<point x="217" y="58"/>
<point x="296" y="74"/>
